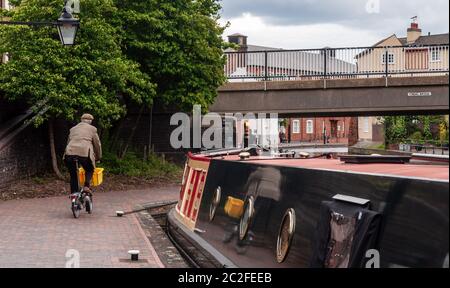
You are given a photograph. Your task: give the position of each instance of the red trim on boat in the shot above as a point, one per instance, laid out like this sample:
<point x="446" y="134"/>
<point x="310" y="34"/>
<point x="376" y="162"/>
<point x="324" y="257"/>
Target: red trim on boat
<point x="193" y="194"/>
<point x="198" y="157"/>
<point x="199" y="196"/>
<point x="183" y="187"/>
<point x="189" y="192"/>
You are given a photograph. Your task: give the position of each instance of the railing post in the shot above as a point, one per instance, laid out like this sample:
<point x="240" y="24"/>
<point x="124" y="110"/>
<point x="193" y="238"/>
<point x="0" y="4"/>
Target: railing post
<point x="266" y="69"/>
<point x="325" y="51"/>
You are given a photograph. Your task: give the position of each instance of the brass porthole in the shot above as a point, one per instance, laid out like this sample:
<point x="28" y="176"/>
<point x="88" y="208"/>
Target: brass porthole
<point x="285" y="235"/>
<point x="215" y="203"/>
<point x="249" y="210"/>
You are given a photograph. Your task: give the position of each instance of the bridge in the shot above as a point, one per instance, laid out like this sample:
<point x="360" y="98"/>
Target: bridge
<point x="343" y="81"/>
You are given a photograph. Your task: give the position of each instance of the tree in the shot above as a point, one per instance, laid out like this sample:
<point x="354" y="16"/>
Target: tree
<point x="92" y="76"/>
<point x="423" y="128"/>
<point x="396" y="129"/>
<point x="127" y="51"/>
<point x="179" y="46"/>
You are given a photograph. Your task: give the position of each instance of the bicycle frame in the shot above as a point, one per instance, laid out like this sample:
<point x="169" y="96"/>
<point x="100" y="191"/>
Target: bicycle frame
<point x="78" y="198"/>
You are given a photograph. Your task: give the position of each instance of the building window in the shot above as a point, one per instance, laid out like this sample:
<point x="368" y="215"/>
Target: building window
<point x="4" y="4"/>
<point x="391" y="58"/>
<point x="296" y="126"/>
<point x="435" y="55"/>
<point x="309" y="127"/>
<point x="366" y="125"/>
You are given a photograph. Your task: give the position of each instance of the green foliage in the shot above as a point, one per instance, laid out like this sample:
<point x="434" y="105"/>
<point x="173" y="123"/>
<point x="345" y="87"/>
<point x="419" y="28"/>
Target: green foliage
<point x="416" y="137"/>
<point x="443" y="132"/>
<point x="38" y="180"/>
<point x="418" y="129"/>
<point x="381" y="146"/>
<point x="126" y="50"/>
<point x="88" y="77"/>
<point x="133" y="166"/>
<point x="179" y="46"/>
<point x="395" y="129"/>
<point x="426" y="127"/>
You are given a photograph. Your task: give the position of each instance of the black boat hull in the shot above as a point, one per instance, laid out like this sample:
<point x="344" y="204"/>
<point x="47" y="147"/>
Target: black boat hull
<point x="415" y="213"/>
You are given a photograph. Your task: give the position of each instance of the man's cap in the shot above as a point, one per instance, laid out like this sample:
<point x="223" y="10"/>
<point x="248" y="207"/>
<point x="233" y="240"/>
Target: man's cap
<point x="87" y="117"/>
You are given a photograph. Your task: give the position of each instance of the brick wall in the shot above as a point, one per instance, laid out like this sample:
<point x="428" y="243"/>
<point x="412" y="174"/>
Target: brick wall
<point x="29" y="153"/>
<point x="9" y="110"/>
<point x="378" y="133"/>
<point x="25" y="156"/>
<point x="339" y="135"/>
<point x="160" y="129"/>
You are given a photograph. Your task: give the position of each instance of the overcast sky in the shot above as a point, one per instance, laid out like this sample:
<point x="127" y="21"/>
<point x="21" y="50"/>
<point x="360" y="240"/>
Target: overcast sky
<point x="333" y="23"/>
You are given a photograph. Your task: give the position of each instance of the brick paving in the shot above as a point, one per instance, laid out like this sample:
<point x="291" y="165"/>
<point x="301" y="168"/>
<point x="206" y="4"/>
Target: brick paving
<point x="39" y="232"/>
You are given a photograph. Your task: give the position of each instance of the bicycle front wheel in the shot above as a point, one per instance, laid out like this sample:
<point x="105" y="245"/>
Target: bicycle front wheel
<point x="75" y="210"/>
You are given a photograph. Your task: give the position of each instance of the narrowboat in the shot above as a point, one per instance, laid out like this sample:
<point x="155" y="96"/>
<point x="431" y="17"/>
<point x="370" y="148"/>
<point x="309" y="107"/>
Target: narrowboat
<point x="242" y="209"/>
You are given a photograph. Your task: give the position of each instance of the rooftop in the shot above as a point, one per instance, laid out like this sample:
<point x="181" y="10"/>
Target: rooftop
<point x="415" y="169"/>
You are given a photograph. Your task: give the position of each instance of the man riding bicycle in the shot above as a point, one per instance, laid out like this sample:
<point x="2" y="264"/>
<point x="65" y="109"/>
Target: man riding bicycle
<point x="85" y="147"/>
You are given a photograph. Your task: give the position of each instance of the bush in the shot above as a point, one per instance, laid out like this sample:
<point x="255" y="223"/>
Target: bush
<point x="381" y="147"/>
<point x="417" y="137"/>
<point x="133" y="166"/>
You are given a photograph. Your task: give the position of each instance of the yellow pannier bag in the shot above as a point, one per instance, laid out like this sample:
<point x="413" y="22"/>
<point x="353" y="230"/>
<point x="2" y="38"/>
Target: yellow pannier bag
<point x="97" y="177"/>
<point x="234" y="207"/>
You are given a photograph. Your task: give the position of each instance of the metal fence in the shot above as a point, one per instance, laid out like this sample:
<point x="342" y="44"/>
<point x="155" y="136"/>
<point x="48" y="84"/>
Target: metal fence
<point x="336" y="63"/>
<point x="435" y="147"/>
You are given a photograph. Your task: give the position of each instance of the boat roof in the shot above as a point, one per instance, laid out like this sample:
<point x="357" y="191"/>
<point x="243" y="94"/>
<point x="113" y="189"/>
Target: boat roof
<point x="414" y="169"/>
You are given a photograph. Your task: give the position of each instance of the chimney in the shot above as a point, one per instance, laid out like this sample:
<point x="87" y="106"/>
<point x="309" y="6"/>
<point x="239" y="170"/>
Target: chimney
<point x="240" y="40"/>
<point x="414" y="32"/>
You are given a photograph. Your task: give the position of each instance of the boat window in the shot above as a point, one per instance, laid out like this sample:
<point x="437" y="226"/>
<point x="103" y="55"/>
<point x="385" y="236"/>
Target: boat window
<point x="342" y="231"/>
<point x="246" y="217"/>
<point x="285" y="235"/>
<point x="214" y="203"/>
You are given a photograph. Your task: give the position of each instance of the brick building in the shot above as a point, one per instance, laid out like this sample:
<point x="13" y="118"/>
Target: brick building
<point x="4" y="4"/>
<point x="313" y="129"/>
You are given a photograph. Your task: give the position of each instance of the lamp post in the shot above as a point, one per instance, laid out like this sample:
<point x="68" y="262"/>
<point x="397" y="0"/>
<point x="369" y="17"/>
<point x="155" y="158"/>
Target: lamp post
<point x="67" y="26"/>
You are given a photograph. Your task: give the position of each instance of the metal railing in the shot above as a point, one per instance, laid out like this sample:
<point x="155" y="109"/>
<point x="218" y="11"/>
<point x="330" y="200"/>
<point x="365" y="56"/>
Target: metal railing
<point x="434" y="147"/>
<point x="336" y="63"/>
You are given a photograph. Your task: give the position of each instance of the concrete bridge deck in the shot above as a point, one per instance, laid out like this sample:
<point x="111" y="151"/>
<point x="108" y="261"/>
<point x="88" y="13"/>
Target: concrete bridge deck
<point x="330" y="97"/>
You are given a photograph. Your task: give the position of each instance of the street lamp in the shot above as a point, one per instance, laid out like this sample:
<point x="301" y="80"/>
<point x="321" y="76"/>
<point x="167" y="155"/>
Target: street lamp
<point x="67" y="26"/>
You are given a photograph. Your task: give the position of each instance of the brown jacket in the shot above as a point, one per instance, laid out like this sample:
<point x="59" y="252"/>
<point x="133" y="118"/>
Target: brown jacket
<point x="84" y="141"/>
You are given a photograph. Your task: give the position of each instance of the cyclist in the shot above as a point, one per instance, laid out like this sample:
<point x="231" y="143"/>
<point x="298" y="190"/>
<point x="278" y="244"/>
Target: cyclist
<point x="85" y="147"/>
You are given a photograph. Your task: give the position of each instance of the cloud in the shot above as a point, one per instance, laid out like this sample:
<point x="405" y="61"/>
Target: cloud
<point x="380" y="16"/>
<point x="299" y="36"/>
